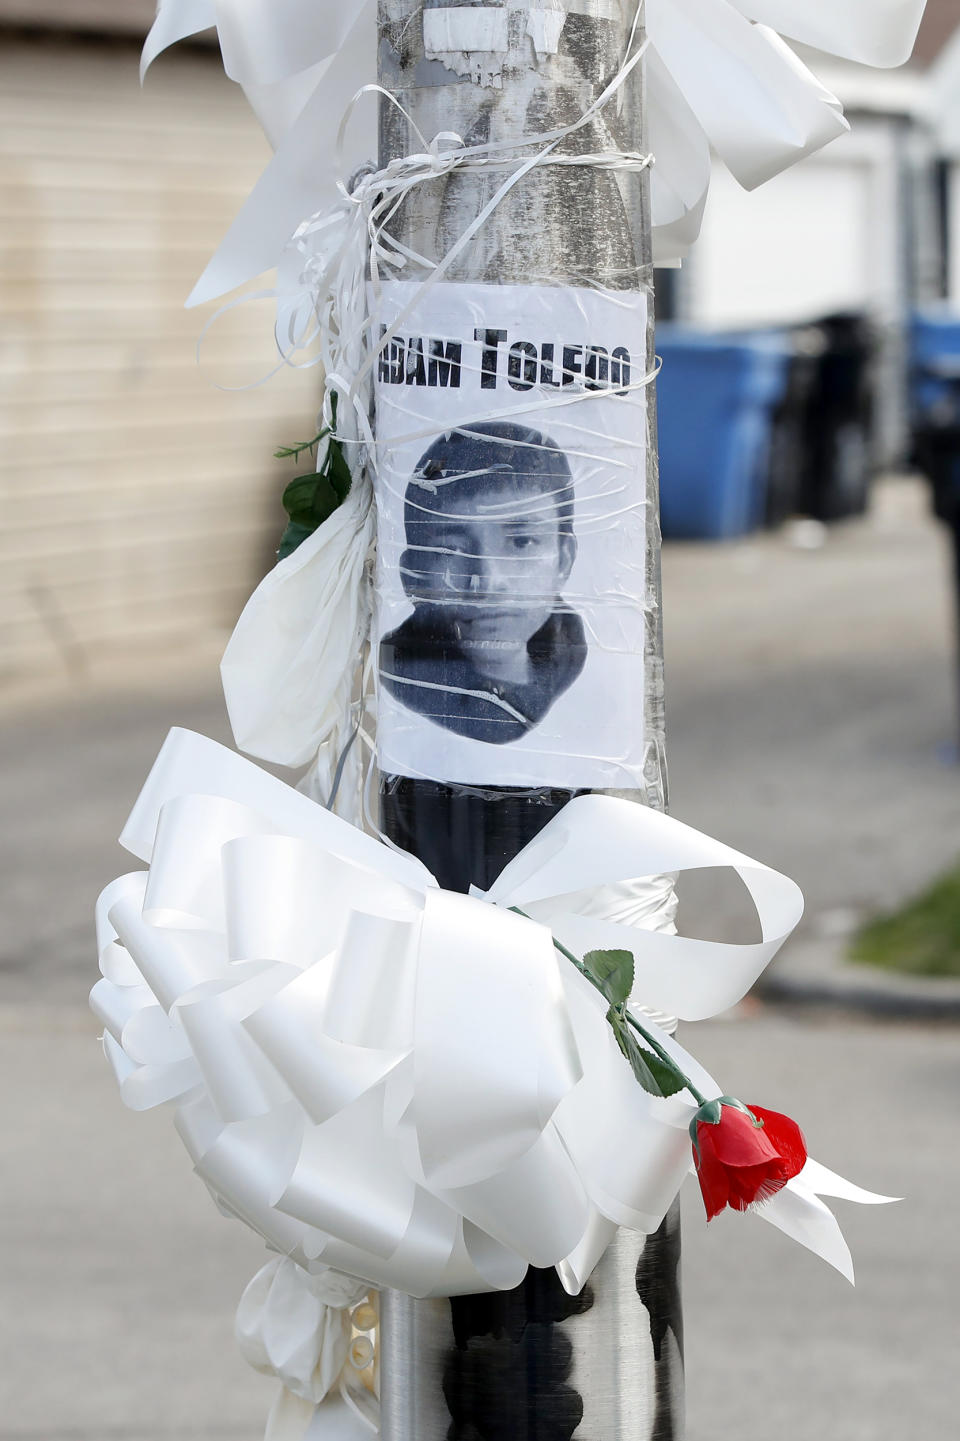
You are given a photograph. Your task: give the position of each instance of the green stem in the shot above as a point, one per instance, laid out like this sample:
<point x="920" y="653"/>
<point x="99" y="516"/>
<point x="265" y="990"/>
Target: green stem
<point x="294" y="452"/>
<point x="654" y="1045"/>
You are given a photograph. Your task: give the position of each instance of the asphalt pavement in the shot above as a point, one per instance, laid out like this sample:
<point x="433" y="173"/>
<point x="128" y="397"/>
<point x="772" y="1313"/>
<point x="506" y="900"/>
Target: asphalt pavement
<point x="119" y="1278"/>
<point x="812" y="721"/>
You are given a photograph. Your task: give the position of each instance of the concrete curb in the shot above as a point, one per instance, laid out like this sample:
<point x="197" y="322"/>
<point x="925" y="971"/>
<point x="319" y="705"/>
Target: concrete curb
<point x="815" y="973"/>
<point x="908" y="1003"/>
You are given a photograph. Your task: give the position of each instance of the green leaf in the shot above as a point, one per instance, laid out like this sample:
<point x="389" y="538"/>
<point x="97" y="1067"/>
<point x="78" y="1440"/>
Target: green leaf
<point x="311" y="499"/>
<point x="298" y="499"/>
<point x="314" y="500"/>
<point x="338" y="470"/>
<point x="618" y="1026"/>
<point x="638" y="1064"/>
<point x="294" y="535"/>
<point x="668" y="1080"/>
<point x="657" y="1077"/>
<point x="611" y="973"/>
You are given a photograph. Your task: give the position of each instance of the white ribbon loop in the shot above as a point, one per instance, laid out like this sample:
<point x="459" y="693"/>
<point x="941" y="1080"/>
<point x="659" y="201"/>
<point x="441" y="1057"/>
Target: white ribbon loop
<point x="402" y="1083"/>
<point x="472" y="1127"/>
<point x="775" y="113"/>
<point x="714" y="78"/>
<point x="873" y="32"/>
<point x="190" y="764"/>
<point x="597" y="841"/>
<point x="176" y="20"/>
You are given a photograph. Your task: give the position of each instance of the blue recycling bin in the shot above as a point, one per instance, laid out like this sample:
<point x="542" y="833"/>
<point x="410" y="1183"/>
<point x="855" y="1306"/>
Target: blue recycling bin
<point x="934" y="367"/>
<point x="935" y="407"/>
<point x="716" y="398"/>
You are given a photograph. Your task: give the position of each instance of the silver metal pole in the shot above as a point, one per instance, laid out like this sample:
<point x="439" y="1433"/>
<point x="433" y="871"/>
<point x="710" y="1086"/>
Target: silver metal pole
<point x="533" y="1364"/>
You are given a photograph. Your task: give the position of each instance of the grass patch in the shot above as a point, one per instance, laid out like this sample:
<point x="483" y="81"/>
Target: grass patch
<point x="921" y="939"/>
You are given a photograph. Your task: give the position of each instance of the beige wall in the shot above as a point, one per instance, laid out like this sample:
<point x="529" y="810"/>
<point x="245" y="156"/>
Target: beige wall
<point x="138" y="502"/>
<point x="941" y="18"/>
<point x="108" y="16"/>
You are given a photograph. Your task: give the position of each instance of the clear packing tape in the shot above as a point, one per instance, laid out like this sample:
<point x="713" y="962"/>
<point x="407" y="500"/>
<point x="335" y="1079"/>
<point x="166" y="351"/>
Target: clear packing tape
<point x="512" y="536"/>
<point x="719" y="74"/>
<point x="395" y="1081"/>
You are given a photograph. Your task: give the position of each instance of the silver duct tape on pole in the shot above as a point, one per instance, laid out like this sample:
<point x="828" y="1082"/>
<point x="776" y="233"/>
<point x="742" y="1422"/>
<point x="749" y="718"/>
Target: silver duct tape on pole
<point x="533" y="1364"/>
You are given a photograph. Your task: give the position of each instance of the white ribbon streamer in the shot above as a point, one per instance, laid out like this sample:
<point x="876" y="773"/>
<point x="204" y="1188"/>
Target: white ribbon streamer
<point x="395" y="1081"/>
<point x="286" y="1327"/>
<point x="715" y="78"/>
<point x="300" y="1329"/>
<point x="289" y="666"/>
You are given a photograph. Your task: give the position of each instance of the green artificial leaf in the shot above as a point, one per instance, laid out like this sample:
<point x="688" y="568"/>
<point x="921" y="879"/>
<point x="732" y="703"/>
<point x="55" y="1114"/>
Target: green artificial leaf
<point x="638" y="1064"/>
<point x="657" y="1077"/>
<point x="668" y="1080"/>
<point x="298" y="499"/>
<point x="619" y="1027"/>
<point x="338" y="471"/>
<point x="611" y="973"/>
<point x="311" y="499"/>
<point x="294" y="535"/>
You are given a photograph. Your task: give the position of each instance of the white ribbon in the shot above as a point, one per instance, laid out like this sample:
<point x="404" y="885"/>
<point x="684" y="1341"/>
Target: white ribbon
<point x="299" y="1328"/>
<point x="399" y="1082"/>
<point x="289" y="1325"/>
<point x="718" y="75"/>
<point x="289" y="666"/>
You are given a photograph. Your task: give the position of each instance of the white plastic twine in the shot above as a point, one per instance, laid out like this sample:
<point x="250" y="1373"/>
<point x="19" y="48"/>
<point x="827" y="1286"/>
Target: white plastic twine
<point x="335" y="251"/>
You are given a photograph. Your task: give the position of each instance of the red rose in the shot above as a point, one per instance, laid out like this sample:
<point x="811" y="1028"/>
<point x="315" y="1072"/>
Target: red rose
<point x="743" y="1155"/>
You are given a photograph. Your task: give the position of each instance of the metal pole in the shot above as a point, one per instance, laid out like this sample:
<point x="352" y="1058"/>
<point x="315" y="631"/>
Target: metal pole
<point x="532" y="1363"/>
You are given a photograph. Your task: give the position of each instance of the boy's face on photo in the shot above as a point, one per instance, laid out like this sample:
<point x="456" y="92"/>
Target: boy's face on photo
<point x="490" y="564"/>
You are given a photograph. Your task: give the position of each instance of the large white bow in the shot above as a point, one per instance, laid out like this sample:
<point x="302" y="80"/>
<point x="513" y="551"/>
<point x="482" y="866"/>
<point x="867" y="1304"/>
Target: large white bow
<point x="396" y="1081"/>
<point x="718" y="74"/>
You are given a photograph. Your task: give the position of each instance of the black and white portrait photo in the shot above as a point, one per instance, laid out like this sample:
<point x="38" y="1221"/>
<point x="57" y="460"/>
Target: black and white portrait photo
<point x="489" y="546"/>
<point x="511" y="426"/>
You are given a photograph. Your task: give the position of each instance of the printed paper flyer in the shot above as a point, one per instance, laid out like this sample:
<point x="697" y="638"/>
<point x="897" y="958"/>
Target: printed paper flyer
<point x="511" y="454"/>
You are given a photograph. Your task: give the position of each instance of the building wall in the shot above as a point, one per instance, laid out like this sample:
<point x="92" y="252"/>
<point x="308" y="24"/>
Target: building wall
<point x="941" y="18"/>
<point x="823" y="236"/>
<point x="139" y="501"/>
<point x="106" y="17"/>
<point x="827" y="235"/>
<point x="953" y="230"/>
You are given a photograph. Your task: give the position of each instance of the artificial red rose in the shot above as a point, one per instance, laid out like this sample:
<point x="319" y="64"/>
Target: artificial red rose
<point x="743" y="1154"/>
